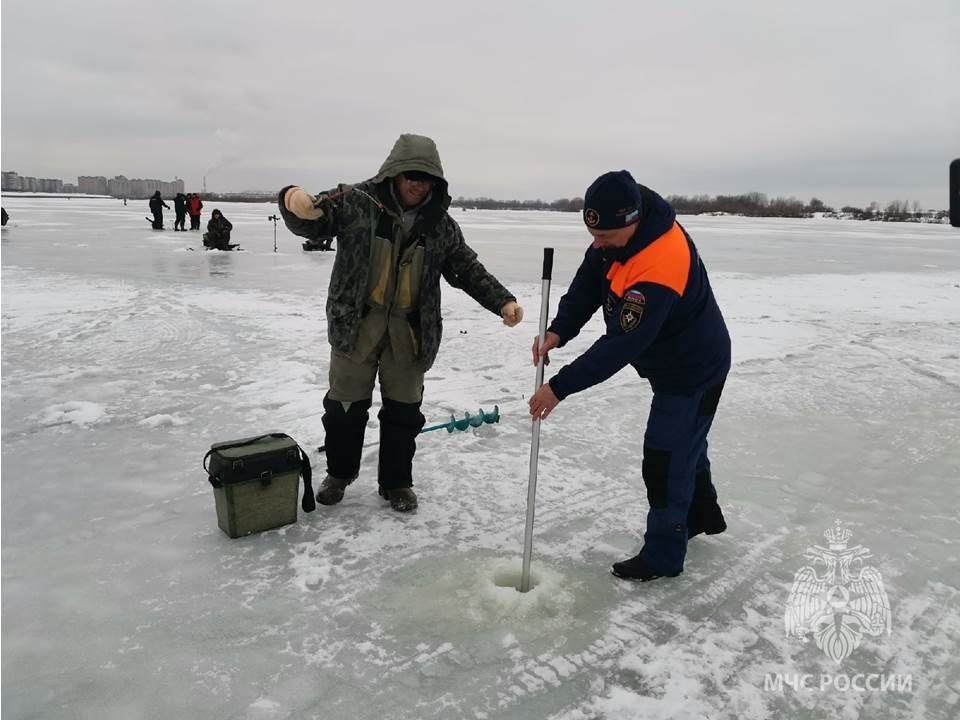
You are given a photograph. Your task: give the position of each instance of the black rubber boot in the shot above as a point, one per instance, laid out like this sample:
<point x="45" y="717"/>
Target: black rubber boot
<point x="344" y="438"/>
<point x="705" y="515"/>
<point x="400" y="423"/>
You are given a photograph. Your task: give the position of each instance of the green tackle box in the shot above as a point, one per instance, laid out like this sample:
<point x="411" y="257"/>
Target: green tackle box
<point x="256" y="481"/>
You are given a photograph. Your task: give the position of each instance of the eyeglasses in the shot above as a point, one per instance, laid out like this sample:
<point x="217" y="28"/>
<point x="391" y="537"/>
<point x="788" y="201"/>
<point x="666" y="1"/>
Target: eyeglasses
<point x="421" y="178"/>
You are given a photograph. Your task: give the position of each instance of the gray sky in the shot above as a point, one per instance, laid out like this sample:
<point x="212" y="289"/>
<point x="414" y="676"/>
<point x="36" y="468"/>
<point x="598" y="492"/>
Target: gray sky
<point x="851" y="101"/>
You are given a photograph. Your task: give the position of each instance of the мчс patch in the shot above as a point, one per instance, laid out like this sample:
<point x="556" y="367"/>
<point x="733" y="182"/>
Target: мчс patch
<point x="631" y="313"/>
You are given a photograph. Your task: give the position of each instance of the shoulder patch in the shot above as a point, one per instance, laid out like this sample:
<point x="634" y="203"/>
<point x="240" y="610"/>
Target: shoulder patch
<point x="634" y="305"/>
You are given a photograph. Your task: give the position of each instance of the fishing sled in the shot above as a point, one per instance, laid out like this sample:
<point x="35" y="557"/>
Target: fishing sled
<point x="322" y="244"/>
<point x="209" y="244"/>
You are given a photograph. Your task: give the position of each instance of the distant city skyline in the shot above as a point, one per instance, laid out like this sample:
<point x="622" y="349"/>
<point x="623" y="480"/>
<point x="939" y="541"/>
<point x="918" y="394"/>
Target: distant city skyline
<point x="117" y="186"/>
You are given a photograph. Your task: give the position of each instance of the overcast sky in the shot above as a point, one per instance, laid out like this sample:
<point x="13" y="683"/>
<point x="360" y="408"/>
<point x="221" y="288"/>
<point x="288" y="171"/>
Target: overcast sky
<point x="851" y="101"/>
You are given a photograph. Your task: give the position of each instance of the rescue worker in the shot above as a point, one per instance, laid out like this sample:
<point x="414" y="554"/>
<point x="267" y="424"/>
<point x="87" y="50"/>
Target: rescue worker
<point x="395" y="241"/>
<point x="180" y="208"/>
<point x="662" y="319"/>
<point x="218" y="232"/>
<point x="194" y="206"/>
<point x="156" y="207"/>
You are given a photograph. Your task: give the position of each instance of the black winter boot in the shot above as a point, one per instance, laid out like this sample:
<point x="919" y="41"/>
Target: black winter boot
<point x="636" y="568"/>
<point x="344" y="439"/>
<point x="705" y="515"/>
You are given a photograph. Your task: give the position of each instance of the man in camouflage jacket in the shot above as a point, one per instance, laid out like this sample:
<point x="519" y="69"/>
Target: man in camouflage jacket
<point x="395" y="240"/>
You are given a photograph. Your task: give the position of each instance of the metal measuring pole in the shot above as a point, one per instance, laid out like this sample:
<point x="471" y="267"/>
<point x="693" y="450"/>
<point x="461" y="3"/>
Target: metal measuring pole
<point x="535" y="441"/>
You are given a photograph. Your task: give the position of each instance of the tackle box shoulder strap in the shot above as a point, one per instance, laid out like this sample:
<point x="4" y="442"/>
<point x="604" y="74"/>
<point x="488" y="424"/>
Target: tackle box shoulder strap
<point x="309" y="503"/>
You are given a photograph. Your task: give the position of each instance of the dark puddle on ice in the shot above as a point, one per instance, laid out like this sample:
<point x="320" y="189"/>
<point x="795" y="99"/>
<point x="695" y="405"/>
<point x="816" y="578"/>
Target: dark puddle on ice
<point x="473" y="601"/>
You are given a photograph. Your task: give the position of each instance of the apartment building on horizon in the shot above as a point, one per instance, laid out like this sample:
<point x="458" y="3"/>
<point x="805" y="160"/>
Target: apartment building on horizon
<point x="118" y="186"/>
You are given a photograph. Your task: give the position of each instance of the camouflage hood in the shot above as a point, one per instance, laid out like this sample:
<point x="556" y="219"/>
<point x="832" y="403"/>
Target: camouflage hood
<point x="414" y="152"/>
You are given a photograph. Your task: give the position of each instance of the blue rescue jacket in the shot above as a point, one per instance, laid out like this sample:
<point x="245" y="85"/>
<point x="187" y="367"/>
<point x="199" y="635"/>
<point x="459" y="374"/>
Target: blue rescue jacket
<point x="659" y="308"/>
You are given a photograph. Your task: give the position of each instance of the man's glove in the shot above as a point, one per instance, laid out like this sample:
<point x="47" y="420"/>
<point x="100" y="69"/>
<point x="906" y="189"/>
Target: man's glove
<point x="302" y="204"/>
<point x="511" y="313"/>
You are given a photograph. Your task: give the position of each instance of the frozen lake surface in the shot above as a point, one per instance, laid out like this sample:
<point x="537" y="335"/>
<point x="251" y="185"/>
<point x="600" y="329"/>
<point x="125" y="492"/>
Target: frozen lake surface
<point x="126" y="353"/>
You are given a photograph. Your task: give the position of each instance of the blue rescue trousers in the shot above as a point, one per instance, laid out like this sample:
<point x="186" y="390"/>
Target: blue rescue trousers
<point x="675" y="469"/>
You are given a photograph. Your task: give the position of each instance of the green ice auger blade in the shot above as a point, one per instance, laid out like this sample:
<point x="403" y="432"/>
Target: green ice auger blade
<point x="468" y="420"/>
<point x="491" y="417"/>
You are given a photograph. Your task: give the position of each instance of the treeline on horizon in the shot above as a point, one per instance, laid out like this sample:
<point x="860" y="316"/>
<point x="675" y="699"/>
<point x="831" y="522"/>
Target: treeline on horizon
<point x="753" y="204"/>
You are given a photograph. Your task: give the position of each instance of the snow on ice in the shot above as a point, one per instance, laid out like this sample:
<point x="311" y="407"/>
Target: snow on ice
<point x="126" y="353"/>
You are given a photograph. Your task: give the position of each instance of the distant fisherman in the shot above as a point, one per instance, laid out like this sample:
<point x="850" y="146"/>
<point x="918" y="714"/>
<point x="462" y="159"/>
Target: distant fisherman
<point x="662" y="319"/>
<point x="218" y="232"/>
<point x="180" y="208"/>
<point x="194" y="206"/>
<point x="156" y="207"/>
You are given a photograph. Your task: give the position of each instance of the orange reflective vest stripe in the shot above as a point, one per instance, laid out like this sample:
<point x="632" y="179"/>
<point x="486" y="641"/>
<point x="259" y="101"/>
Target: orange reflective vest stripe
<point x="665" y="261"/>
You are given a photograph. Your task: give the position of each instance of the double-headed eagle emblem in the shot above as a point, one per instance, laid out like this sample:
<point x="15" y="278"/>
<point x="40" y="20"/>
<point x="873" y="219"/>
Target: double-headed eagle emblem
<point x="842" y="603"/>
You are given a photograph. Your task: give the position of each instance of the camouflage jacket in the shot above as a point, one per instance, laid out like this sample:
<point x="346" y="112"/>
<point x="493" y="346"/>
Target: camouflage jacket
<point x="353" y="214"/>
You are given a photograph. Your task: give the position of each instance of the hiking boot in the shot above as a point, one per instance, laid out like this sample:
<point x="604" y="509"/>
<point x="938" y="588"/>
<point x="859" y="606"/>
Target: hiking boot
<point x="636" y="568"/>
<point x="331" y="490"/>
<point x="401" y="499"/>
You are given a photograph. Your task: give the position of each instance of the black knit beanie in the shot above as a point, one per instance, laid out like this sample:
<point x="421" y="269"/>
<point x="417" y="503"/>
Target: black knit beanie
<point x="612" y="201"/>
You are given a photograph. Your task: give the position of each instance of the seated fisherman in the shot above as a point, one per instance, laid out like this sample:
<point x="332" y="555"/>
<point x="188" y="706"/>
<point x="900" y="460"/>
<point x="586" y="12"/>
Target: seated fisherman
<point x="217" y="235"/>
